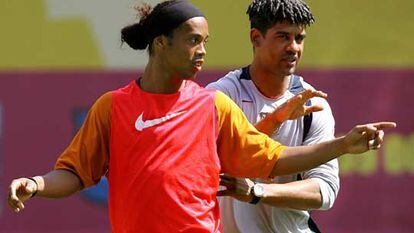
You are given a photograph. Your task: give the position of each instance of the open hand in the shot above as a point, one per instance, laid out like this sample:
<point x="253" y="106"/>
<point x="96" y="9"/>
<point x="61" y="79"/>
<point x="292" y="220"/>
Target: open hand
<point x="295" y="107"/>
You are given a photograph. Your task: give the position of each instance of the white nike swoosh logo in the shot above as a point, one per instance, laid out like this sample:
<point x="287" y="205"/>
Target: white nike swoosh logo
<point x="140" y="125"/>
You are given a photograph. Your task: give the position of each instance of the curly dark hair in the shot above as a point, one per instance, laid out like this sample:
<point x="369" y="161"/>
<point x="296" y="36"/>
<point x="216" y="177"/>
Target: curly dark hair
<point x="263" y="14"/>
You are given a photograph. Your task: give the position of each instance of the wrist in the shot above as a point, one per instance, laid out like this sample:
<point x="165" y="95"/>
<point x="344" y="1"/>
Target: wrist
<point x="257" y="193"/>
<point x="275" y="123"/>
<point x="276" y="120"/>
<point x="343" y="147"/>
<point x="36" y="184"/>
<point x="40" y="183"/>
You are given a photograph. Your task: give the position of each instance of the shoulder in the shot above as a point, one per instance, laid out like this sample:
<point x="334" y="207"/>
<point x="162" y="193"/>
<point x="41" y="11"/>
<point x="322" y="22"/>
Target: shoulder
<point x="105" y="99"/>
<point x="101" y="109"/>
<point x="228" y="82"/>
<point x="104" y="102"/>
<point x="221" y="99"/>
<point x="231" y="84"/>
<point x="114" y="97"/>
<point x="224" y="104"/>
<point x="297" y="84"/>
<point x="104" y="105"/>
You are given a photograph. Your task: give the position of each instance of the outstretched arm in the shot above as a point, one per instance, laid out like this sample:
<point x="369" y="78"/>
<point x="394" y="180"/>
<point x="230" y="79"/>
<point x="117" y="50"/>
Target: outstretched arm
<point x="305" y="194"/>
<point x="258" y="156"/>
<point x="261" y="157"/>
<point x="360" y="139"/>
<point x="82" y="164"/>
<point x="55" y="184"/>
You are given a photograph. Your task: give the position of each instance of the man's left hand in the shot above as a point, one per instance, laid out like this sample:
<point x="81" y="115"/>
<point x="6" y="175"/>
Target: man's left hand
<point x="239" y="188"/>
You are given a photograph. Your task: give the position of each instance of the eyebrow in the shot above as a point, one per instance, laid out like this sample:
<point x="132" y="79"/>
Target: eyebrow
<point x="281" y="32"/>
<point x="198" y="35"/>
<point x="303" y="35"/>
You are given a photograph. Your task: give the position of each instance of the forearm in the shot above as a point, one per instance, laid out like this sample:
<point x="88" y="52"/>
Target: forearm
<point x="300" y="195"/>
<point x="57" y="184"/>
<point x="268" y="125"/>
<point x="297" y="159"/>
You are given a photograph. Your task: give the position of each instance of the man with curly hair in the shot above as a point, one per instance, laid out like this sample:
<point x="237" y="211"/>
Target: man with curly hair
<point x="283" y="203"/>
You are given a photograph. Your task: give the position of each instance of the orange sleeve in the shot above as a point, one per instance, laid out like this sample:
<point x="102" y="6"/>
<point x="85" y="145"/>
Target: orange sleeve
<point x="243" y="150"/>
<point x="88" y="154"/>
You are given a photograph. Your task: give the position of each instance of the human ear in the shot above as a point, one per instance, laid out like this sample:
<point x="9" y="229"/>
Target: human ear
<point x="255" y="37"/>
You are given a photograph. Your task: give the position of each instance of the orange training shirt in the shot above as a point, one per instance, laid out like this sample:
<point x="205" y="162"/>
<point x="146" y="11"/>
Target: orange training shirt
<point x="162" y="154"/>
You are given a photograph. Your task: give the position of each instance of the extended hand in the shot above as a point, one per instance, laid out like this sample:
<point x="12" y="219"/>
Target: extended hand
<point x="295" y="107"/>
<point x="365" y="137"/>
<point x="19" y="191"/>
<point x="239" y="188"/>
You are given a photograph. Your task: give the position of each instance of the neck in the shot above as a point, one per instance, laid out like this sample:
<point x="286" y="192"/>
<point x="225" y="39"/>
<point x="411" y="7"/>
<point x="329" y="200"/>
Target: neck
<point x="269" y="83"/>
<point x="156" y="79"/>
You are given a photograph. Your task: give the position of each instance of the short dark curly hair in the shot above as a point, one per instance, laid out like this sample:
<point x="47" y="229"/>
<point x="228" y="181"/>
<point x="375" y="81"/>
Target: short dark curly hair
<point x="263" y="14"/>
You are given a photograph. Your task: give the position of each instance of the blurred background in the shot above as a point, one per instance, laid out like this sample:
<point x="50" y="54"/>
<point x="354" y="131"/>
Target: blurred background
<point x="57" y="57"/>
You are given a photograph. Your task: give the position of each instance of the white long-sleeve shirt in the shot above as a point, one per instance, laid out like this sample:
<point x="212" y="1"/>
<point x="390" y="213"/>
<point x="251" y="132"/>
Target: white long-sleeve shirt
<point x="261" y="218"/>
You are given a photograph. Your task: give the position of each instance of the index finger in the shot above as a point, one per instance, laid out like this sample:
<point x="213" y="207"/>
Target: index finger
<point x="313" y="108"/>
<point x="309" y="93"/>
<point x="384" y="125"/>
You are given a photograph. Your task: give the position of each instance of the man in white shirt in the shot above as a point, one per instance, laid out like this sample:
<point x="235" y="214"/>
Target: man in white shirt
<point x="282" y="204"/>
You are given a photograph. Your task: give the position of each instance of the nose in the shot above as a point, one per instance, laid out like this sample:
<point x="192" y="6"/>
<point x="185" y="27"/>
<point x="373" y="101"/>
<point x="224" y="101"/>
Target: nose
<point x="201" y="50"/>
<point x="293" y="46"/>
